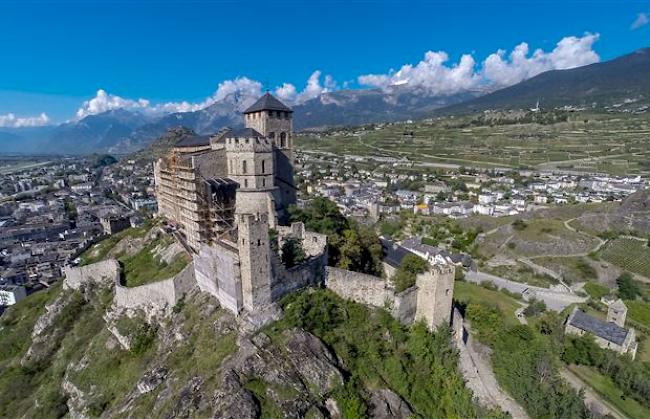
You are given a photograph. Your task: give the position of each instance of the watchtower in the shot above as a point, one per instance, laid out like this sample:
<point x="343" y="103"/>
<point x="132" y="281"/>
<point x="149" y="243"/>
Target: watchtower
<point x="435" y="293"/>
<point x="274" y="121"/>
<point x="254" y="260"/>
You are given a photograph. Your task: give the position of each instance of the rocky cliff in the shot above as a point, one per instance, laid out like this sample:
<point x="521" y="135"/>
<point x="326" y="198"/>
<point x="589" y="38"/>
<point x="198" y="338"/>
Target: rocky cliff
<point x="66" y="352"/>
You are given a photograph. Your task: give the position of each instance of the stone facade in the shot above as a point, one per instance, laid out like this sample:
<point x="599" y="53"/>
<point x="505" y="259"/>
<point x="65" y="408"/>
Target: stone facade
<point x="112" y="225"/>
<point x="255" y="260"/>
<point x="435" y="294"/>
<point x="359" y="287"/>
<point x="158" y="295"/>
<point x="217" y="273"/>
<point x="194" y="181"/>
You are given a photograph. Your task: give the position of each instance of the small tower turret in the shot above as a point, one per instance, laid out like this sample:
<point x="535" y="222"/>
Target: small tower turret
<point x="617" y="312"/>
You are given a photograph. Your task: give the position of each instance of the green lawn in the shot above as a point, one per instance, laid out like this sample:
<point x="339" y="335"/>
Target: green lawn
<point x="596" y="290"/>
<point x="639" y="311"/>
<point x="607" y="389"/>
<point x="465" y="292"/>
<point x="629" y="254"/>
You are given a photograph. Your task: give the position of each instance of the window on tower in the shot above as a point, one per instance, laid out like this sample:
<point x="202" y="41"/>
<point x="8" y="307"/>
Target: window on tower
<point x="263" y="166"/>
<point x="243" y="167"/>
<point x="283" y="139"/>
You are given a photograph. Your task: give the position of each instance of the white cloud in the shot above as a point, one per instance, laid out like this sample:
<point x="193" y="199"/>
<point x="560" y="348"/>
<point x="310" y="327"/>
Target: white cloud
<point x="570" y="52"/>
<point x="103" y="102"/>
<point x="434" y="76"/>
<point x="10" y="120"/>
<point x="288" y="92"/>
<point x="431" y="75"/>
<point x="642" y="19"/>
<point x="240" y="89"/>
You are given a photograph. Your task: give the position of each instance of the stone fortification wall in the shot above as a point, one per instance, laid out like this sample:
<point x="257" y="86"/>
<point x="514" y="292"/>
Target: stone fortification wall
<point x="159" y="295"/>
<point x="359" y="287"/>
<point x="405" y="305"/>
<point x="309" y="273"/>
<point x="106" y="272"/>
<point x="217" y="272"/>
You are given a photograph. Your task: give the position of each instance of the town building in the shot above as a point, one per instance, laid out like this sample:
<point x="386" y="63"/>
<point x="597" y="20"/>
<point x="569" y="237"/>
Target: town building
<point x="11" y="294"/>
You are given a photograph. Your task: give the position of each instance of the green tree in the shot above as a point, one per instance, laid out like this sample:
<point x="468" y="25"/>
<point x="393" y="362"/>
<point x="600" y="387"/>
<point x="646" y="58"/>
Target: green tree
<point x="628" y="289"/>
<point x="292" y="252"/>
<point x="410" y="267"/>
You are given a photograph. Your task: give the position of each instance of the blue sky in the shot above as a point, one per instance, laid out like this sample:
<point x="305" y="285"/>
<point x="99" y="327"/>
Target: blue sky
<point x="57" y="54"/>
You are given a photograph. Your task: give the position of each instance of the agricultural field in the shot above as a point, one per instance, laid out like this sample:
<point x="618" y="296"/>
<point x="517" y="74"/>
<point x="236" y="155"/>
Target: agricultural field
<point x="523" y="273"/>
<point x="629" y="254"/>
<point x="585" y="142"/>
<point x="536" y="237"/>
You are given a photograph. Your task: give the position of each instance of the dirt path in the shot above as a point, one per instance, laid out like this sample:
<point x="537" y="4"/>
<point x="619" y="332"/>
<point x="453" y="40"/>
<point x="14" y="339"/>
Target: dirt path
<point x="593" y="401"/>
<point x="477" y="371"/>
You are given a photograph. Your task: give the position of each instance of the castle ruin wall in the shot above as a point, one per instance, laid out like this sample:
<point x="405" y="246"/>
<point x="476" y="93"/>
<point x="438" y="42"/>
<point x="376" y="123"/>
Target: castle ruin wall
<point x="217" y="273"/>
<point x="106" y="272"/>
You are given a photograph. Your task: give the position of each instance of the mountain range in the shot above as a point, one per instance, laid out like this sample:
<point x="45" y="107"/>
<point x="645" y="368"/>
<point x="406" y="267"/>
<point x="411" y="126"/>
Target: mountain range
<point x="621" y="82"/>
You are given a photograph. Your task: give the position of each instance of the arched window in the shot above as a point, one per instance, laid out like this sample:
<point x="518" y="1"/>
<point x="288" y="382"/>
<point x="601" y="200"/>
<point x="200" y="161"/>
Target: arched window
<point x="283" y="139"/>
<point x="243" y="167"/>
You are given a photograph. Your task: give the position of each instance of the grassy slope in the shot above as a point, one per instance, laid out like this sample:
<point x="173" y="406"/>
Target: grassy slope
<point x="467" y="293"/>
<point x="378" y="352"/>
<point x="608" y="390"/>
<point x="111" y="372"/>
<point x="142" y="267"/>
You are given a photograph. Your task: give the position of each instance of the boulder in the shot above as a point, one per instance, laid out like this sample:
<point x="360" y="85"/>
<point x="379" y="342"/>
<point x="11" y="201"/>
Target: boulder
<point x="385" y="404"/>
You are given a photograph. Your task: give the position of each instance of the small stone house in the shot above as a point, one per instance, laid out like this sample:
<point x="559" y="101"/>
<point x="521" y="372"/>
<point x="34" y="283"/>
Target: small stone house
<point x="610" y="334"/>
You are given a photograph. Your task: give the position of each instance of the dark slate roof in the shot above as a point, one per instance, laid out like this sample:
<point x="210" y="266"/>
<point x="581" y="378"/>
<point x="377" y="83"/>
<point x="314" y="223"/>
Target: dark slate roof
<point x="268" y="102"/>
<point x="193" y="141"/>
<point x="606" y="330"/>
<point x="244" y="133"/>
<point x="393" y="253"/>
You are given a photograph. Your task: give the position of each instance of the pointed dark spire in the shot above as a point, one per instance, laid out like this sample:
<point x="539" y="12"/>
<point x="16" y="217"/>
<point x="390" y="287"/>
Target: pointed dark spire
<point x="268" y="102"/>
